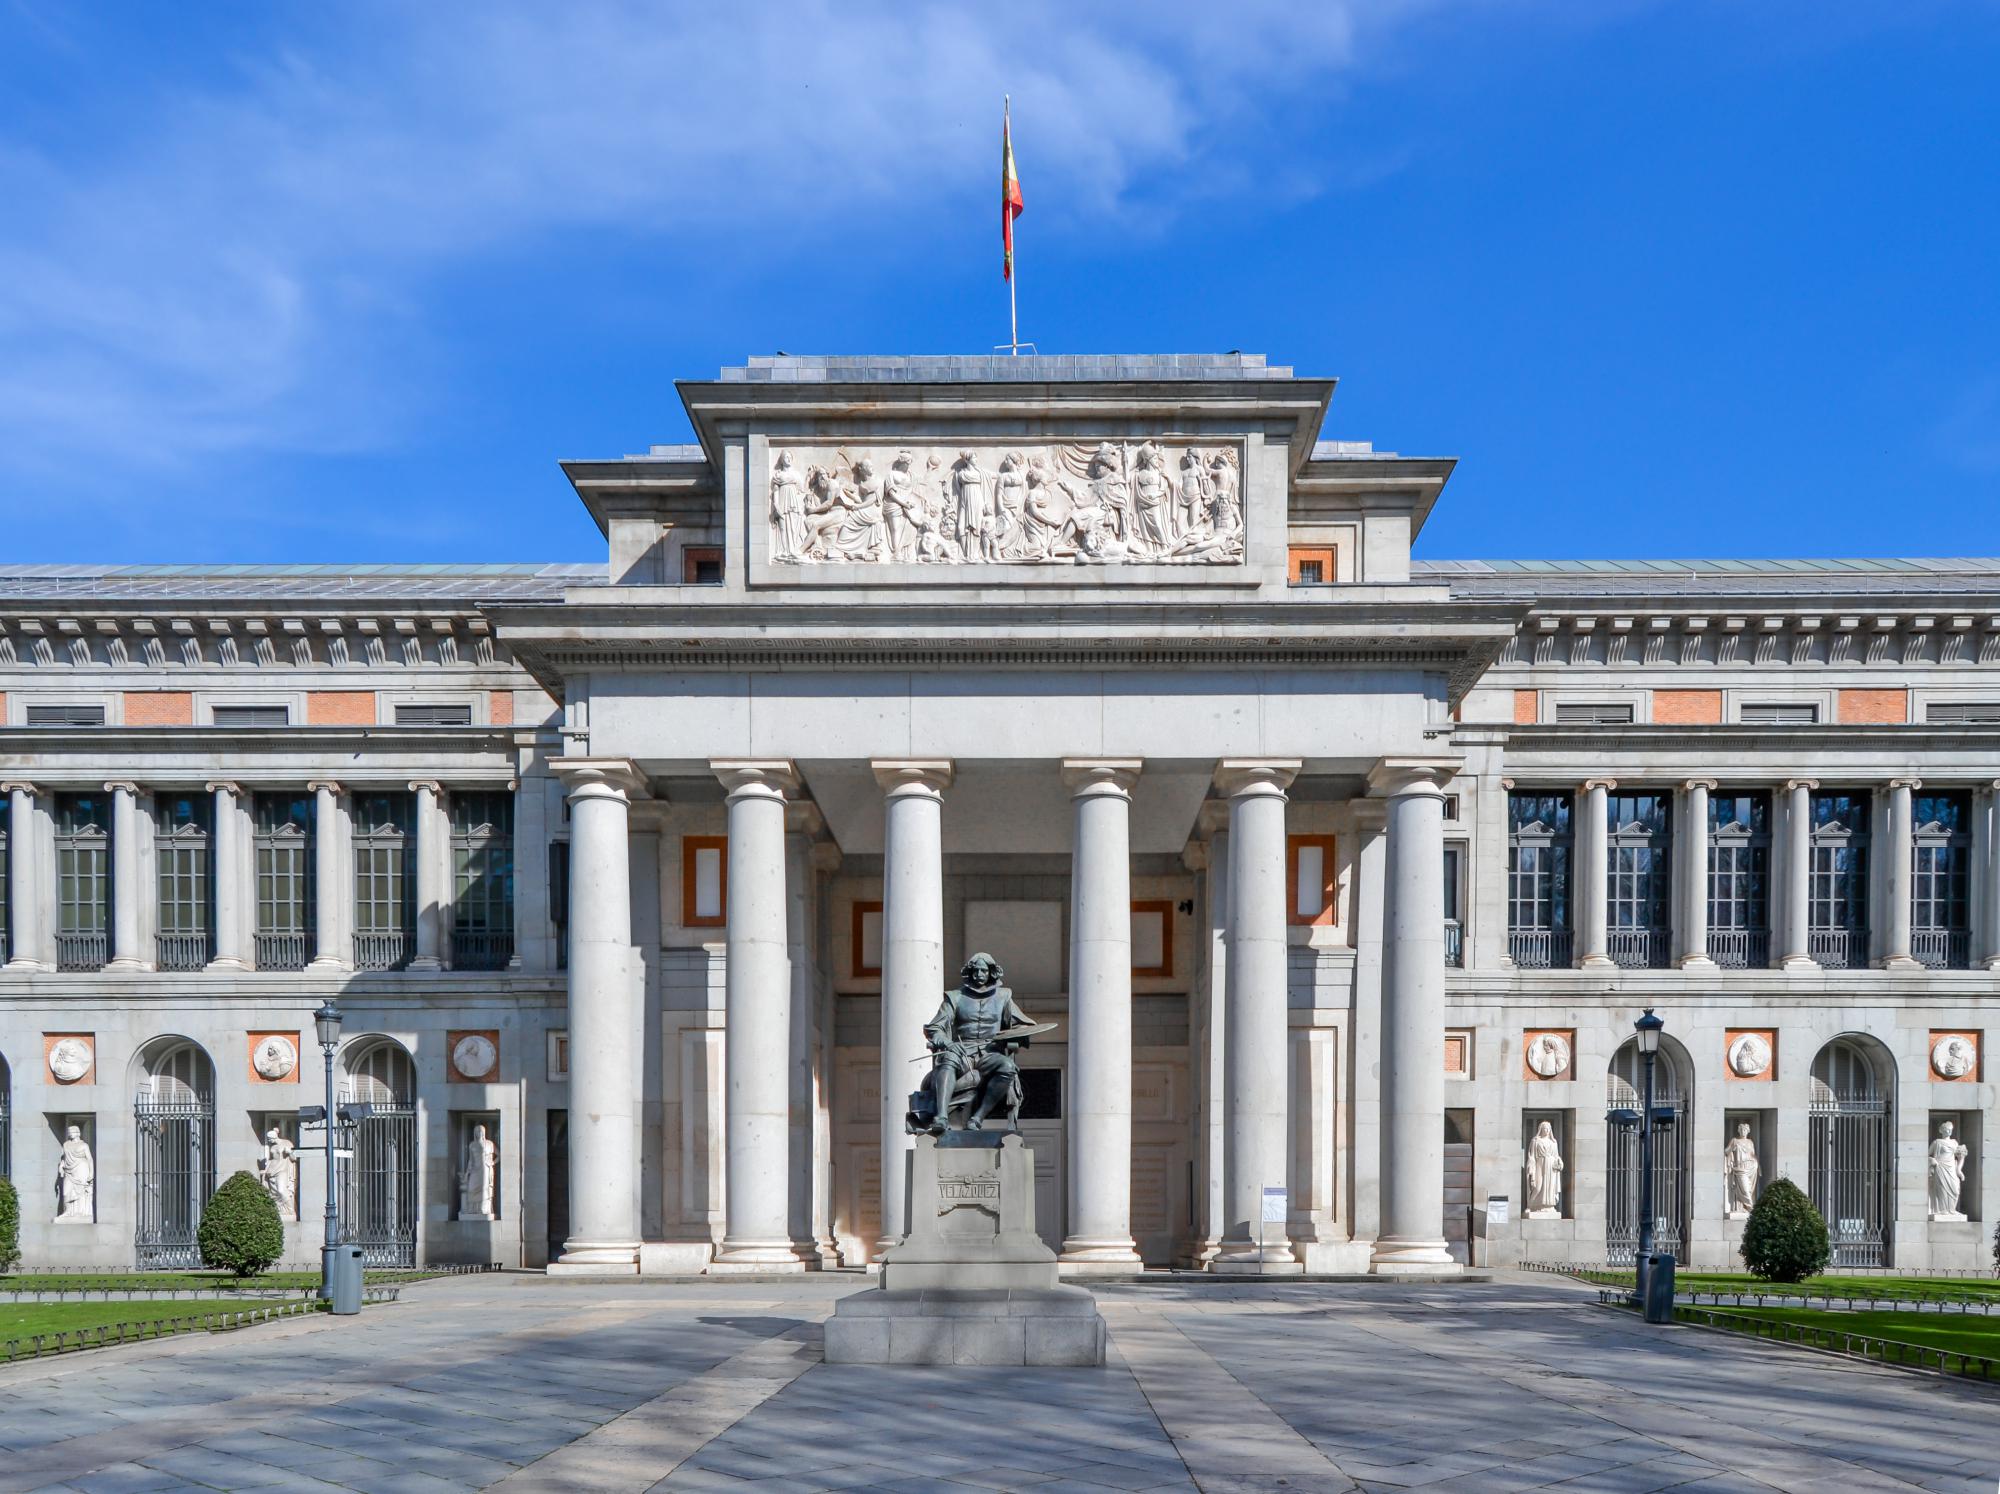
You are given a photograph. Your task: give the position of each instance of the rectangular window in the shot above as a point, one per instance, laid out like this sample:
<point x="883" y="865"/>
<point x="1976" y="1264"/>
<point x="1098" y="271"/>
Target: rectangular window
<point x="1454" y="923"/>
<point x="482" y="860"/>
<point x="251" y="715"/>
<point x="1837" y="934"/>
<point x="865" y="941"/>
<point x="1962" y="713"/>
<point x="83" y="880"/>
<point x="1940" y="874"/>
<point x="384" y="879"/>
<point x="1778" y="713"/>
<point x="704" y="881"/>
<point x="434" y="715"/>
<point x="1153" y="938"/>
<point x="1640" y="838"/>
<point x="65" y="715"/>
<point x="287" y="884"/>
<point x="6" y="893"/>
<point x="1739" y="888"/>
<point x="1309" y="891"/>
<point x="1593" y="713"/>
<point x="182" y="833"/>
<point x="559" y="899"/>
<point x="1539" y="844"/>
<point x="1309" y="565"/>
<point x="701" y="565"/>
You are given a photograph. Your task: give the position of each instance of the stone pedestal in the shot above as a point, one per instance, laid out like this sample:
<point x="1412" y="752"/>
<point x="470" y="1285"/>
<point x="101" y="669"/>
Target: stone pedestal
<point x="971" y="1282"/>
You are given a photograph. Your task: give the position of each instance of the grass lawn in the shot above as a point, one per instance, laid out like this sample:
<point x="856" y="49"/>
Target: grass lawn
<point x="24" y="1319"/>
<point x="1972" y="1334"/>
<point x="1900" y="1288"/>
<point x="200" y="1281"/>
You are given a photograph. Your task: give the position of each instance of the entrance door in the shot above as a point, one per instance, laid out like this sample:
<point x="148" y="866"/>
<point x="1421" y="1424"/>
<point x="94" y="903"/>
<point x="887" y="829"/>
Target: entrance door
<point x="1042" y="1130"/>
<point x="557" y="1158"/>
<point x="1458" y="1184"/>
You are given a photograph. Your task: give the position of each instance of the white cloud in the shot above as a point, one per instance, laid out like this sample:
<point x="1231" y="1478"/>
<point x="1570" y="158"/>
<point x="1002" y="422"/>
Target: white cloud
<point x="225" y="278"/>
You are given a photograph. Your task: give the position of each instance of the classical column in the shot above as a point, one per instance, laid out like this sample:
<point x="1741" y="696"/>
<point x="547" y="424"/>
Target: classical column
<point x="757" y="1013"/>
<point x="229" y="868"/>
<point x="1210" y="858"/>
<point x="1989" y="863"/>
<point x="824" y="861"/>
<point x="330" y="886"/>
<point x="1593" y="872"/>
<point x="1364" y="1046"/>
<point x="1099" y="1111"/>
<point x="430" y="876"/>
<point x="912" y="956"/>
<point x="1795" y="927"/>
<point x="1256" y="1036"/>
<point x="1694" y="875"/>
<point x="1411" y="1241"/>
<point x="1897" y="855"/>
<point x="125" y="877"/>
<point x="28" y="900"/>
<point x="605" y="978"/>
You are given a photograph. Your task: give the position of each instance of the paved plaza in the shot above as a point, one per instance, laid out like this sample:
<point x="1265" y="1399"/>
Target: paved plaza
<point x="520" y="1383"/>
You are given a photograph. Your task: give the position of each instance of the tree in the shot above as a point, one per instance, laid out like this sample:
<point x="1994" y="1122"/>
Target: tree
<point x="1785" y="1239"/>
<point x="10" y="1227"/>
<point x="240" y="1230"/>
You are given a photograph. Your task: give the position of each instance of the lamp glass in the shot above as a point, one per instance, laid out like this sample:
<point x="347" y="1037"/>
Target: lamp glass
<point x="326" y="1022"/>
<point x="1647" y="1031"/>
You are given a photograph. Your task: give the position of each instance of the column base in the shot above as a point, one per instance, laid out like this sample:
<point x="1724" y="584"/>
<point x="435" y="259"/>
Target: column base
<point x="227" y="962"/>
<point x="1799" y="964"/>
<point x="1694" y="962"/>
<point x="1598" y="962"/>
<point x="1901" y="962"/>
<point x="129" y="967"/>
<point x="1248" y="1258"/>
<point x="1993" y="962"/>
<point x="1413" y="1258"/>
<point x="674" y="1257"/>
<point x="1081" y="1257"/>
<point x="328" y="963"/>
<point x="33" y="967"/>
<point x="425" y="962"/>
<point x="597" y="1258"/>
<point x="1197" y="1253"/>
<point x="756" y="1258"/>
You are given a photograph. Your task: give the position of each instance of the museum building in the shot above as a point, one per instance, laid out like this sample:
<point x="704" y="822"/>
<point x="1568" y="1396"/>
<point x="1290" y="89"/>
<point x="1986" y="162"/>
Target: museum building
<point x="1344" y="876"/>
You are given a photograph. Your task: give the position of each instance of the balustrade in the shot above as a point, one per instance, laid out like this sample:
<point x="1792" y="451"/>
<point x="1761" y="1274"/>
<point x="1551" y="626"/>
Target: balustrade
<point x="181" y="951"/>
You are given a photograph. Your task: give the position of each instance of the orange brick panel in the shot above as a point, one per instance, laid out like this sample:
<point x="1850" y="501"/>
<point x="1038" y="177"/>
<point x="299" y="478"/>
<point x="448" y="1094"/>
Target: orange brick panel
<point x="159" y="708"/>
<point x="1873" y="707"/>
<point x="1687" y="707"/>
<point x="1527" y="707"/>
<point x="500" y="711"/>
<point x="340" y="708"/>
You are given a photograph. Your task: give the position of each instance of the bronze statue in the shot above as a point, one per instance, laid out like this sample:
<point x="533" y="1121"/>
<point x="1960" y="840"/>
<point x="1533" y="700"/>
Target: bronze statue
<point x="973" y="1039"/>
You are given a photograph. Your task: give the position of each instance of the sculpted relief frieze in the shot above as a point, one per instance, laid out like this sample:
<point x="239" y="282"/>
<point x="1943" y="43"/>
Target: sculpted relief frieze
<point x="1149" y="502"/>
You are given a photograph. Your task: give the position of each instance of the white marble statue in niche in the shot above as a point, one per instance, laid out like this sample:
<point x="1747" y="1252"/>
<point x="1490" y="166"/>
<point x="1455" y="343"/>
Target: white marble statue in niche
<point x="1740" y="1169"/>
<point x="278" y="1170"/>
<point x="476" y="1175"/>
<point x="1545" y="1168"/>
<point x="76" y="1180"/>
<point x="1948" y="1158"/>
<point x="1144" y="502"/>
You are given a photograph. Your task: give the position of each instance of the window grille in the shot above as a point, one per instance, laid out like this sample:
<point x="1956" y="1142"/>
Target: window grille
<point x="174" y="1115"/>
<point x="1454" y="920"/>
<point x="1593" y="713"/>
<point x="1640" y="839"/>
<point x="384" y="879"/>
<point x="1850" y="1166"/>
<point x="434" y="715"/>
<point x="1962" y="713"/>
<point x="181" y="853"/>
<point x="1625" y="1089"/>
<point x="1779" y="713"/>
<point x="83" y="881"/>
<point x="1940" y="902"/>
<point x="287" y="884"/>
<point x="1539" y="845"/>
<point x="482" y="859"/>
<point x="701" y="566"/>
<point x="1739" y="884"/>
<point x="251" y="715"/>
<point x="65" y="715"/>
<point x="378" y="1177"/>
<point x="1837" y="931"/>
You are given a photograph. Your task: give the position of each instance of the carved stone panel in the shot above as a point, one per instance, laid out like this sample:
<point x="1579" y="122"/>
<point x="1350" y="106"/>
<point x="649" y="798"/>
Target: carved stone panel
<point x="1165" y="501"/>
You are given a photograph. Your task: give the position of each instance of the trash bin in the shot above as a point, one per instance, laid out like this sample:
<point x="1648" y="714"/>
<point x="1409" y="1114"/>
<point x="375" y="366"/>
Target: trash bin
<point x="343" y="1278"/>
<point x="1659" y="1299"/>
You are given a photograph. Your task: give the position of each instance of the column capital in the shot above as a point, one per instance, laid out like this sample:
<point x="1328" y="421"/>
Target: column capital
<point x="921" y="775"/>
<point x="1238" y="776"/>
<point x="16" y="786"/>
<point x="1370" y="815"/>
<point x="226" y="786"/>
<point x="756" y="778"/>
<point x="1808" y="784"/>
<point x="1101" y="775"/>
<point x="601" y="777"/>
<point x="1393" y="777"/>
<point x="315" y="785"/>
<point x="1607" y="784"/>
<point x="121" y="785"/>
<point x="1913" y="784"/>
<point x="420" y="785"/>
<point x="803" y="817"/>
<point x="1692" y="784"/>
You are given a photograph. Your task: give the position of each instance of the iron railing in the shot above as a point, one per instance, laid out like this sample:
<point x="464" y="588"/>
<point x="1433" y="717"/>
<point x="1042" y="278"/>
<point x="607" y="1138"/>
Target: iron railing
<point x="1839" y="949"/>
<point x="491" y="949"/>
<point x="1740" y="949"/>
<point x="381" y="951"/>
<point x="1454" y="943"/>
<point x="1849" y="1176"/>
<point x="283" y="951"/>
<point x="176" y="1173"/>
<point x="1942" y="949"/>
<point x="1670" y="1172"/>
<point x="180" y="951"/>
<point x="82" y="951"/>
<point x="1639" y="949"/>
<point x="379" y="1184"/>
<point x="1541" y="949"/>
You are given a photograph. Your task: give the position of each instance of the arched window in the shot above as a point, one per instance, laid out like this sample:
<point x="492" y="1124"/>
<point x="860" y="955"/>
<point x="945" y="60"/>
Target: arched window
<point x="378" y="1183"/>
<point x="173" y="1111"/>
<point x="1625" y="1088"/>
<point x="1852" y="1132"/>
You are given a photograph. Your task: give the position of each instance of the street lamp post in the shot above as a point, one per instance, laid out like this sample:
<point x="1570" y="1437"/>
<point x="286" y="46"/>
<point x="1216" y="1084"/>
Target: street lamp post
<point x="326" y="1023"/>
<point x="1647" y="1036"/>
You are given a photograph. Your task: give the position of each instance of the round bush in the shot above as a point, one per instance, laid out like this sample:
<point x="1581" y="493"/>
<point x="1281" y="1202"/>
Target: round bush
<point x="10" y="1226"/>
<point x="1785" y="1239"/>
<point x="240" y="1229"/>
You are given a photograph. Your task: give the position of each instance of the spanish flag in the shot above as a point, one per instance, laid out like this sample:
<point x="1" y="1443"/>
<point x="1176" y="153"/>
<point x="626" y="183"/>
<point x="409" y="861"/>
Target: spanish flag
<point x="1010" y="192"/>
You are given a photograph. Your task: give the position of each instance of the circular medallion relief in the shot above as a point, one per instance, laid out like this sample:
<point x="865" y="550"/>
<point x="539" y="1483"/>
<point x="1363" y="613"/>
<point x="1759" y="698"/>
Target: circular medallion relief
<point x="1749" y="1055"/>
<point x="1953" y="1057"/>
<point x="1548" y="1055"/>
<point x="69" y="1059"/>
<point x="473" y="1055"/>
<point x="275" y="1057"/>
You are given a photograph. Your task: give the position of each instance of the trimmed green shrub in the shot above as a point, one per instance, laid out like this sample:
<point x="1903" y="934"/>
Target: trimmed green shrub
<point x="240" y="1229"/>
<point x="1785" y="1239"/>
<point x="10" y="1227"/>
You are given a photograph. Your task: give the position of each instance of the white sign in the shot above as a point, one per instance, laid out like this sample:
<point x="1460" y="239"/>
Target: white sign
<point x="1497" y="1206"/>
<point x="1274" y="1206"/>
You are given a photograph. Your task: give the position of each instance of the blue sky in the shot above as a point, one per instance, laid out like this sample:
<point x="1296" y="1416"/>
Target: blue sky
<point x="342" y="283"/>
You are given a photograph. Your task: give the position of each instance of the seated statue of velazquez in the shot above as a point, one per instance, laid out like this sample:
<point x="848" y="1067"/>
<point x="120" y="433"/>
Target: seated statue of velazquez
<point x="972" y="1064"/>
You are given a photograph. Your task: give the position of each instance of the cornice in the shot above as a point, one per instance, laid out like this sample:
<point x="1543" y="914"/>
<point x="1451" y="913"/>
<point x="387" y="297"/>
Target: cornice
<point x="1785" y="633"/>
<point x="117" y="635"/>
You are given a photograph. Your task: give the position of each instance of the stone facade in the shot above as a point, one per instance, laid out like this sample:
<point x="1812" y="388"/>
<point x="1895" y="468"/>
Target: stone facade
<point x="1321" y="857"/>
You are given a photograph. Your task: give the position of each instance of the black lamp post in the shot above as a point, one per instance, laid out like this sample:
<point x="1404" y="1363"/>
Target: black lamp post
<point x="1647" y="1035"/>
<point x="326" y="1023"/>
